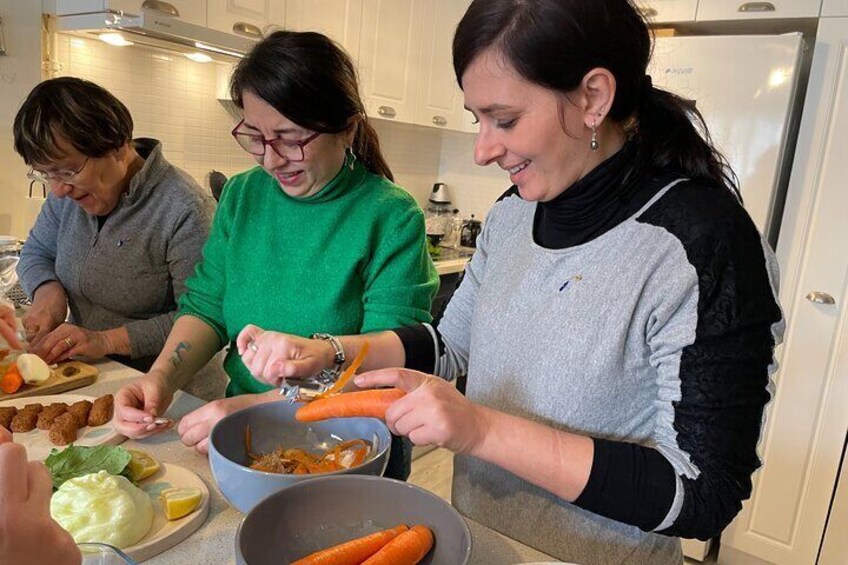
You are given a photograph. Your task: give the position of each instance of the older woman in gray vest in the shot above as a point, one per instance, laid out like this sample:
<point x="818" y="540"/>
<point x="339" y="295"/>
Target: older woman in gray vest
<point x="119" y="234"/>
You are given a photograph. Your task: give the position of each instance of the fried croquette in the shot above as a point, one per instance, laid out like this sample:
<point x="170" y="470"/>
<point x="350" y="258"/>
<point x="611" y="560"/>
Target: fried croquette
<point x="24" y="421"/>
<point x="64" y="429"/>
<point x="6" y="415"/>
<point x="101" y="411"/>
<point x="81" y="410"/>
<point x="50" y="413"/>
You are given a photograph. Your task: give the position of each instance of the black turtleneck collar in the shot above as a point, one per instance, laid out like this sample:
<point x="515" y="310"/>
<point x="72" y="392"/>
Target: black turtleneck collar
<point x="594" y="204"/>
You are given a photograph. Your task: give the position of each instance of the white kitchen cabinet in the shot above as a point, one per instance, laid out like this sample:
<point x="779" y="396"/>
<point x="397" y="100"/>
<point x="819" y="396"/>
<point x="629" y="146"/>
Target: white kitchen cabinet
<point x="389" y="55"/>
<point x="834" y="8"/>
<point x="439" y="101"/>
<point x="340" y="20"/>
<point x="712" y="10"/>
<point x="668" y="11"/>
<point x="191" y="11"/>
<point x="247" y="18"/>
<point x="784" y="521"/>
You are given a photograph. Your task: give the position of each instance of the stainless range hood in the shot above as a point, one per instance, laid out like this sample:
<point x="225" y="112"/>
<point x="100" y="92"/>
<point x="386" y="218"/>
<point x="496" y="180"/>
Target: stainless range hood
<point x="155" y="27"/>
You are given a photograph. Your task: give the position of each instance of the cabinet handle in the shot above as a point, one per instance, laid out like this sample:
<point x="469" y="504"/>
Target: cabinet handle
<point x="161" y="7"/>
<point x="820" y="297"/>
<point x="248" y="30"/>
<point x="757" y="7"/>
<point x="440" y="120"/>
<point x="649" y="12"/>
<point x="386" y="111"/>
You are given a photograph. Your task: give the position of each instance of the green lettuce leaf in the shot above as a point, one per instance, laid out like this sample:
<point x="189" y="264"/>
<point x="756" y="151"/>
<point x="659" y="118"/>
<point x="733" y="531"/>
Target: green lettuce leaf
<point x="77" y="461"/>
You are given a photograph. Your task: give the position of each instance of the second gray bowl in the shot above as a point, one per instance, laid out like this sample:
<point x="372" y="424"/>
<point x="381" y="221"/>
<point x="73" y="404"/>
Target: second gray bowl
<point x="327" y="511"/>
<point x="272" y="425"/>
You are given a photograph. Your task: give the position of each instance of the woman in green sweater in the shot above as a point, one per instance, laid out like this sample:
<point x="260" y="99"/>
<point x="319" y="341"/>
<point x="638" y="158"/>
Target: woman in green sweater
<point x="316" y="237"/>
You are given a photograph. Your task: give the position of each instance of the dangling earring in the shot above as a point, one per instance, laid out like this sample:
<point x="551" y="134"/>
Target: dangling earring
<point x="350" y="157"/>
<point x="593" y="144"/>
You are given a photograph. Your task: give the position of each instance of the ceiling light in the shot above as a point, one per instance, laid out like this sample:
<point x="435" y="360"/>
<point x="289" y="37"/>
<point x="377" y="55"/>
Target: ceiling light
<point x="199" y="57"/>
<point x="115" y="39"/>
<point x="220" y="50"/>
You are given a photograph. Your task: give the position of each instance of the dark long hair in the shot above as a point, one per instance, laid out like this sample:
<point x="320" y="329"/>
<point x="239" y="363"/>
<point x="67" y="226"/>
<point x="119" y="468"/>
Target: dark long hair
<point x="554" y="43"/>
<point x="310" y="80"/>
<point x="85" y="114"/>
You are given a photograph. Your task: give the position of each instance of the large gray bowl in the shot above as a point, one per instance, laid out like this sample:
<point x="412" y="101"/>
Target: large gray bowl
<point x="327" y="511"/>
<point x="271" y="425"/>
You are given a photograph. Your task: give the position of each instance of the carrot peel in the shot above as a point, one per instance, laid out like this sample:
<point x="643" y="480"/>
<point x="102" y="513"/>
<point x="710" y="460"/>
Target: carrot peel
<point x="347" y="374"/>
<point x="364" y="403"/>
<point x="408" y="548"/>
<point x="353" y="552"/>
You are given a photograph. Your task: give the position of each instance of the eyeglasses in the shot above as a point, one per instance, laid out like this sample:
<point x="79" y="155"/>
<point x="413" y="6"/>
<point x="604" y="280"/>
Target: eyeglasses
<point x="67" y="176"/>
<point x="285" y="148"/>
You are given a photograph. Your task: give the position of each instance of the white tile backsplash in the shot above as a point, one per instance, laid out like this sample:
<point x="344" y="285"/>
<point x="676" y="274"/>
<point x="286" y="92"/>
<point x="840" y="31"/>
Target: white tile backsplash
<point x="170" y="98"/>
<point x="173" y="99"/>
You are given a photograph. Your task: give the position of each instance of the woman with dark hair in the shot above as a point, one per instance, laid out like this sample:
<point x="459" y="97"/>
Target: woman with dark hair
<point x="316" y="237"/>
<point x="118" y="236"/>
<point x="618" y="320"/>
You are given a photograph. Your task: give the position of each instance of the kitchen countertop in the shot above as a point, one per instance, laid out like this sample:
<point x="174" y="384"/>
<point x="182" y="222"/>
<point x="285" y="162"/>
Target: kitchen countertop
<point x="214" y="542"/>
<point x="452" y="260"/>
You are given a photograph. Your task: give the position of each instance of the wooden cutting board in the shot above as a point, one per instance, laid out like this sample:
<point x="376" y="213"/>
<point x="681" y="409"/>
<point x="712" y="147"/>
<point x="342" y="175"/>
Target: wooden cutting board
<point x="68" y="375"/>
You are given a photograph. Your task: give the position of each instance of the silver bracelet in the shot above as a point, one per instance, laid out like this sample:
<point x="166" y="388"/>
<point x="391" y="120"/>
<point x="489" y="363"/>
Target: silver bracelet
<point x="338" y="359"/>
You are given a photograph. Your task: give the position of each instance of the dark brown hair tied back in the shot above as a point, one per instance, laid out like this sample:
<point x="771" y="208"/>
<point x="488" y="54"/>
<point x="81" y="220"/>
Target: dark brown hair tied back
<point x="554" y="43"/>
<point x="311" y="81"/>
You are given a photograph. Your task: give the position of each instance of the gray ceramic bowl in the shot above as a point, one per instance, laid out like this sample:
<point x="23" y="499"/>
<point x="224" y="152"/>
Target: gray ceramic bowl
<point x="272" y="425"/>
<point x="327" y="511"/>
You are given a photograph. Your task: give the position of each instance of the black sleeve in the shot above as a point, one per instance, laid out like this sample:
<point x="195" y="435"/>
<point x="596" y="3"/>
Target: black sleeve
<point x="419" y="346"/>
<point x="724" y="381"/>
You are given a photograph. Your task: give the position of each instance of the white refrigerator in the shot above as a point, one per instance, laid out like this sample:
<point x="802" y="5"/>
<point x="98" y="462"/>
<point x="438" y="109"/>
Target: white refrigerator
<point x="746" y="87"/>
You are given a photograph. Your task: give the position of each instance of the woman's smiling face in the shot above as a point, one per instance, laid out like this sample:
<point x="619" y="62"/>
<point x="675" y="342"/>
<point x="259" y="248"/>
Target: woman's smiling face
<point x="322" y="157"/>
<point x="532" y="132"/>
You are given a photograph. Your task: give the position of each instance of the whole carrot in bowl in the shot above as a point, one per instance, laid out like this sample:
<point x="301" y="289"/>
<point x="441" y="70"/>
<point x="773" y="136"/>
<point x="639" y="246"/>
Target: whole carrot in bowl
<point x="353" y="552"/>
<point x="409" y="548"/>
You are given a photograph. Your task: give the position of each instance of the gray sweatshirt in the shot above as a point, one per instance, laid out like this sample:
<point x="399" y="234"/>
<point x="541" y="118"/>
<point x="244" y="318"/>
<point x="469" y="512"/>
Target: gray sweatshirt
<point x="656" y="339"/>
<point x="132" y="271"/>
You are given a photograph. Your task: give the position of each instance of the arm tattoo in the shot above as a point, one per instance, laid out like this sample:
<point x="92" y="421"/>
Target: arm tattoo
<point x="176" y="358"/>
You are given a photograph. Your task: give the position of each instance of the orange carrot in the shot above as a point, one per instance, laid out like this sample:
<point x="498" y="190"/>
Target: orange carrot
<point x="11" y="380"/>
<point x="408" y="548"/>
<point x="368" y="403"/>
<point x="352" y="552"/>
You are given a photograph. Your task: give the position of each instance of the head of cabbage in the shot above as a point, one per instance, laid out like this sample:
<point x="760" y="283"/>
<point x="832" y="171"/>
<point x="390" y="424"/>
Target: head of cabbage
<point x="102" y="508"/>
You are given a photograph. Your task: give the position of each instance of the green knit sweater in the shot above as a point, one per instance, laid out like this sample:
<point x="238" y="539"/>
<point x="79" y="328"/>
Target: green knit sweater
<point x="350" y="259"/>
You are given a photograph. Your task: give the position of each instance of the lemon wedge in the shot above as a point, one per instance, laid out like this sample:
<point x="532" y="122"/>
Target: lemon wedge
<point x="180" y="501"/>
<point x="142" y="464"/>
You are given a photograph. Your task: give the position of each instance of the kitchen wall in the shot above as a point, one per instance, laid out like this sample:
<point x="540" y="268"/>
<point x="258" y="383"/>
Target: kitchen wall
<point x="20" y="71"/>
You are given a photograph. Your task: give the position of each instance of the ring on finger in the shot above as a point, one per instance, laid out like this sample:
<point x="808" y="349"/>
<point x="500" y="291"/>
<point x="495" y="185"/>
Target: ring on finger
<point x="68" y="342"/>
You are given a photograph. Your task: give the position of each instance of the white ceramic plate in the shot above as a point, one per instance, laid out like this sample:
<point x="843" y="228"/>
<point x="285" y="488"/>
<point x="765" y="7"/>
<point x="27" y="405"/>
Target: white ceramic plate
<point x="165" y="534"/>
<point x="37" y="442"/>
